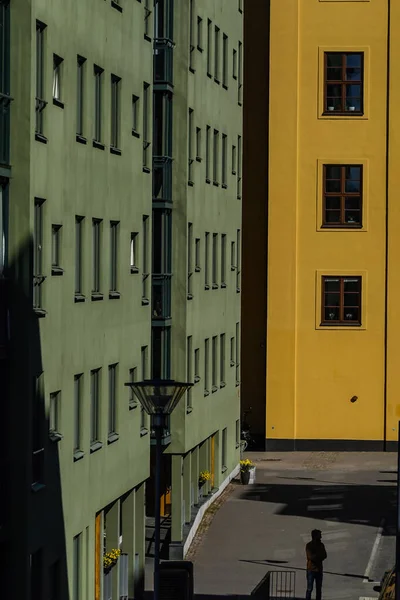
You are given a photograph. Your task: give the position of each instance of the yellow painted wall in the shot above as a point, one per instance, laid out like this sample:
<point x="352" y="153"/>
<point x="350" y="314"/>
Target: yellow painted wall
<point x="311" y="372"/>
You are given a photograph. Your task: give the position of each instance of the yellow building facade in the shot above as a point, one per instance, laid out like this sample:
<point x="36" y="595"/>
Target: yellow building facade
<point x="330" y="241"/>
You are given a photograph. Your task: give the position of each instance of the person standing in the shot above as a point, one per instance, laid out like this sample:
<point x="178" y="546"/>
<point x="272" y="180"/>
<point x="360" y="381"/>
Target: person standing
<point x="316" y="554"/>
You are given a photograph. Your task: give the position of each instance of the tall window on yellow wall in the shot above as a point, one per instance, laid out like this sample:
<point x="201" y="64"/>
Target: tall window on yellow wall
<point x="344" y="83"/>
<point x="342" y="196"/>
<point x="341" y="301"/>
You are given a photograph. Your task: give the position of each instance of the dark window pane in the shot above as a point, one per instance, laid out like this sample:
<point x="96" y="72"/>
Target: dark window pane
<point x="353" y="90"/>
<point x="332" y="202"/>
<point x="352" y="217"/>
<point x="352" y="203"/>
<point x="331" y="314"/>
<point x="332" y="216"/>
<point x="351" y="314"/>
<point x="335" y="90"/>
<point x="353" y="173"/>
<point x="332" y="171"/>
<point x="351" y="285"/>
<point x="332" y="285"/>
<point x="332" y="299"/>
<point x="353" y="60"/>
<point x="333" y="59"/>
<point x="351" y="299"/>
<point x="332" y="185"/>
<point x="352" y="186"/>
<point x="353" y="74"/>
<point x="334" y="74"/>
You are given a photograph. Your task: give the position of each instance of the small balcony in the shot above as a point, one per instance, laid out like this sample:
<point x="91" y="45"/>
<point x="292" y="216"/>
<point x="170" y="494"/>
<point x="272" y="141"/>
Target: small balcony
<point x="161" y="297"/>
<point x="162" y="180"/>
<point x="163" y="64"/>
<point x="5" y="106"/>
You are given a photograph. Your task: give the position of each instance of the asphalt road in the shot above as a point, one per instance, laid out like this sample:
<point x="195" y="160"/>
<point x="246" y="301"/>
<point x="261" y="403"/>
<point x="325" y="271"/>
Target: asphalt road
<point x="265" y="526"/>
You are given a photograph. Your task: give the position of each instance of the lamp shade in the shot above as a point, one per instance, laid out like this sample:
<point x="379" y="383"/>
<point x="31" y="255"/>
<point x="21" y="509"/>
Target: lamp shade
<point x="159" y="396"/>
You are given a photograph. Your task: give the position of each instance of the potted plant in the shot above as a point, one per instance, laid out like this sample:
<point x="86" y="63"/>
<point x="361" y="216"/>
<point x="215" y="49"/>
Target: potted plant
<point x="246" y="466"/>
<point x="203" y="477"/>
<point x="110" y="559"/>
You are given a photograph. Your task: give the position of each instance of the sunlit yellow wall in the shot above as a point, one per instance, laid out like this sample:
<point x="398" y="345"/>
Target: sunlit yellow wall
<point x="312" y="373"/>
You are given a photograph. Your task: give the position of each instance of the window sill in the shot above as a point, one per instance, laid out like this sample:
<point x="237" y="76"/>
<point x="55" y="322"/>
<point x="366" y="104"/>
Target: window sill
<point x="206" y="287"/>
<point x="143" y="431"/>
<point x="239" y="104"/>
<point x="80" y="139"/>
<point x="79" y="298"/>
<point x="199" y="48"/>
<point x="232" y="363"/>
<point x="146" y="170"/>
<point x="209" y="75"/>
<point x="190" y="183"/>
<point x="147" y="37"/>
<point x="39" y="137"/>
<point x="197" y="378"/>
<point x="94" y="446"/>
<point x="145" y="301"/>
<point x="239" y="197"/>
<point x="341" y="324"/>
<point x="208" y="180"/>
<point x="189" y="409"/>
<point x="198" y="159"/>
<point x="206" y="393"/>
<point x="234" y="77"/>
<point x="54" y="436"/>
<point x="135" y="133"/>
<point x="238" y="290"/>
<point x="233" y="268"/>
<point x="112" y="437"/>
<point x="117" y="6"/>
<point x="237" y="446"/>
<point x="233" y="172"/>
<point x="134" y="270"/>
<point x="224" y="86"/>
<point x="78" y="454"/>
<point x="224" y="186"/>
<point x="215" y="286"/>
<point x="222" y="384"/>
<point x="58" y="103"/>
<point x="57" y="271"/>
<point x="214" y="389"/>
<point x="40" y="312"/>
<point x="223" y="286"/>
<point x="216" y="183"/>
<point x="197" y="269"/>
<point x="114" y="295"/>
<point x="192" y="70"/>
<point x="115" y="151"/>
<point x="347" y="113"/>
<point x="237" y="383"/>
<point x="133" y="404"/>
<point x="342" y="227"/>
<point x="96" y="296"/>
<point x="189" y="297"/>
<point x="36" y="487"/>
<point x="217" y="80"/>
<point x="224" y="468"/>
<point x="98" y="145"/>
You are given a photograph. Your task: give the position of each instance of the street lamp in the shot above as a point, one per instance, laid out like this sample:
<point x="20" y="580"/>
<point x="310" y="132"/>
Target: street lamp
<point x="158" y="397"/>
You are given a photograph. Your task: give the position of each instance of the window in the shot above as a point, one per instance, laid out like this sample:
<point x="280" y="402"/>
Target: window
<point x="215" y="261"/>
<point x="37" y="433"/>
<point x="115" y="111"/>
<point x="344" y="82"/>
<point x="77" y="568"/>
<point x="191" y="36"/>
<point x="215" y="157"/>
<point x="222" y="359"/>
<point x="234" y="63"/>
<point x="56" y="249"/>
<point x="225" y="60"/>
<point x="40" y="102"/>
<point x="232" y="352"/>
<point x="57" y="68"/>
<point x="146" y="129"/>
<point x="80" y="105"/>
<point x="98" y="103"/>
<point x="342" y="196"/>
<point x="240" y="6"/>
<point x="132" y="398"/>
<point x="214" y="351"/>
<point x="341" y="301"/>
<point x="233" y="256"/>
<point x="94" y="406"/>
<point x="233" y="160"/>
<point x="55" y="412"/>
<point x="78" y="388"/>
<point x="145" y="261"/>
<point x="96" y="231"/>
<point x="237" y="353"/>
<point x="209" y="50"/>
<point x="114" y="235"/>
<point x="238" y="259"/>
<point x="38" y="277"/>
<point x="198" y="144"/>
<point x="197" y="365"/>
<point x="190" y="147"/>
<point x="240" y="82"/>
<point x="112" y="401"/>
<point x="3" y="224"/>
<point x="239" y="168"/>
<point x="145" y="374"/>
<point x="206" y="366"/>
<point x="147" y="20"/>
<point x="189" y="373"/>
<point x="224" y="161"/>
<point x="216" y="53"/>
<point x="237" y="429"/>
<point x="223" y="260"/>
<point x="207" y="261"/>
<point x="190" y="261"/>
<point x="134" y="252"/>
<point x="199" y="34"/>
<point x="78" y="256"/>
<point x="208" y="134"/>
<point x="224" y="447"/>
<point x="135" y="115"/>
<point x="197" y="267"/>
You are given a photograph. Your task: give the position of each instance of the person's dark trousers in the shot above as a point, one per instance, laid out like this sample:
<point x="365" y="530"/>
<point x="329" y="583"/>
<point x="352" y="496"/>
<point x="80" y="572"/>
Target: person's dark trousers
<point x="311" y="577"/>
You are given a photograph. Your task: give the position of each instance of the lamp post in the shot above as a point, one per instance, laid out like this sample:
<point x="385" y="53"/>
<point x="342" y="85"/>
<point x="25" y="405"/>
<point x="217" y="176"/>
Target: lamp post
<point x="158" y="397"/>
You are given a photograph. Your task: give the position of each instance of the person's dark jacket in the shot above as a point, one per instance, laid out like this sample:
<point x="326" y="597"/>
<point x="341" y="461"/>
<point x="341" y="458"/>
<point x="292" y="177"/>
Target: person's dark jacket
<point x="316" y="554"/>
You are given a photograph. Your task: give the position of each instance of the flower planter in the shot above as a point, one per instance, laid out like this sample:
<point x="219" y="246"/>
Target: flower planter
<point x="244" y="477"/>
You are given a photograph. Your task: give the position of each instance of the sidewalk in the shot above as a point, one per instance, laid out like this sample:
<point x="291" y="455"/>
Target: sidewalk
<point x="266" y="526"/>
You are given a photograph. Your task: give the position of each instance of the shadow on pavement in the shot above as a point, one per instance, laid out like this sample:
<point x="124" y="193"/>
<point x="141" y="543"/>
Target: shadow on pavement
<point x="274" y="562"/>
<point x="342" y="502"/>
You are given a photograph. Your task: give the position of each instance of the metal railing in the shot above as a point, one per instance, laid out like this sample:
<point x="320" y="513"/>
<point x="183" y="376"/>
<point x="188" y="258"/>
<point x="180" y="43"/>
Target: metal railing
<point x="161" y="296"/>
<point x="276" y="584"/>
<point x="163" y="61"/>
<point x="5" y="102"/>
<point x="162" y="179"/>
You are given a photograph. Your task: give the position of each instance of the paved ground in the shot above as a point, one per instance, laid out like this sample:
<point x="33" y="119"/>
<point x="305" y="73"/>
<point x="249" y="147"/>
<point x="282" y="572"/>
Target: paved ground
<point x="261" y="527"/>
